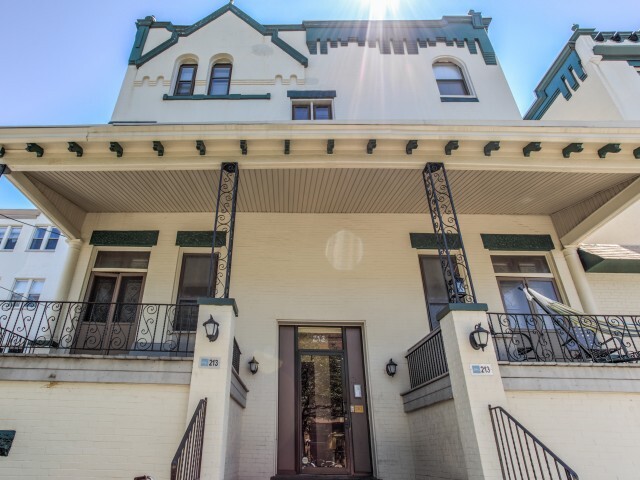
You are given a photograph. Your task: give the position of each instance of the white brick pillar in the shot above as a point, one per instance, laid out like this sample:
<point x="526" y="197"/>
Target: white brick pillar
<point x="473" y="394"/>
<point x="580" y="279"/>
<point x="69" y="268"/>
<point x="213" y="383"/>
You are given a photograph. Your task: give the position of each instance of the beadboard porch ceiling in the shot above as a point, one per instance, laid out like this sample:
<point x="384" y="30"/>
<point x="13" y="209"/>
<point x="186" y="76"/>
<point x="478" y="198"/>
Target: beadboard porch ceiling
<point x="329" y="190"/>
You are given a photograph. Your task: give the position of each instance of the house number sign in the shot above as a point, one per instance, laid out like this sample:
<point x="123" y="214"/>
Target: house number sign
<point x="481" y="369"/>
<point x="209" y="362"/>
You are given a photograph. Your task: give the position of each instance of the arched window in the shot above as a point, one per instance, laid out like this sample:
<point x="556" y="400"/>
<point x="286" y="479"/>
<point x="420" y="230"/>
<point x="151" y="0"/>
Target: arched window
<point x="186" y="79"/>
<point x="220" y="79"/>
<point x="450" y="79"/>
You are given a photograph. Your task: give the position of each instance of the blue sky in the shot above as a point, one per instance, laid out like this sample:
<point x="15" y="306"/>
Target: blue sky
<point x="69" y="57"/>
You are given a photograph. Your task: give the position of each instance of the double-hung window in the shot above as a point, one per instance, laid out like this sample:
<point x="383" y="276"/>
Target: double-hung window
<point x="194" y="283"/>
<point x="186" y="79"/>
<point x="9" y="237"/>
<point x="220" y="79"/>
<point x="45" y="238"/>
<point x="435" y="289"/>
<point x="450" y="80"/>
<point x="27" y="290"/>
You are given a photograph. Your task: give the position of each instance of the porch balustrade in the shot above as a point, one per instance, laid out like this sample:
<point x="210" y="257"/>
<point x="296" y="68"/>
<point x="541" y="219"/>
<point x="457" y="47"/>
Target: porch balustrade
<point x="427" y="360"/>
<point x="97" y="328"/>
<point x="565" y="338"/>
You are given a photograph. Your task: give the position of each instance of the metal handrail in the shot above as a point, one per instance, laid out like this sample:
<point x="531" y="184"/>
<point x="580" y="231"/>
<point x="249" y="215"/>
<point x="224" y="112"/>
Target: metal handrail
<point x="187" y="462"/>
<point x="512" y="439"/>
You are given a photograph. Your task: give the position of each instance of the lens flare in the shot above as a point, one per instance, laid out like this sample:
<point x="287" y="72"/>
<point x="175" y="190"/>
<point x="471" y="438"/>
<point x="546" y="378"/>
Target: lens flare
<point x="381" y="9"/>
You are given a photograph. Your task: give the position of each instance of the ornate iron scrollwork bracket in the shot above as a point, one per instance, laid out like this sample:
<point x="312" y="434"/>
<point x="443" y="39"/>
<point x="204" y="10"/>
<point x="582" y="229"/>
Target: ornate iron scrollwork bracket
<point x="223" y="226"/>
<point x="453" y="257"/>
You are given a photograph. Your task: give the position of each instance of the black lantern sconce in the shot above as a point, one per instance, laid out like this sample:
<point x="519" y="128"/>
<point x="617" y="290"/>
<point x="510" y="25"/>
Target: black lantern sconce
<point x="253" y="366"/>
<point x="457" y="288"/>
<point x="391" y="368"/>
<point x="212" y="329"/>
<point x="479" y="338"/>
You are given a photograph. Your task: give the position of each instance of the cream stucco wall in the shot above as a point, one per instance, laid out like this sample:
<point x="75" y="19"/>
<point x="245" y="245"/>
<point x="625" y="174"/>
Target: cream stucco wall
<point x="97" y="431"/>
<point x="324" y="268"/>
<point x="371" y="87"/>
<point x="610" y="92"/>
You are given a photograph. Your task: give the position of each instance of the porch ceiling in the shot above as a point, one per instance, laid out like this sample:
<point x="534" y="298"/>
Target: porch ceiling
<point x="328" y="190"/>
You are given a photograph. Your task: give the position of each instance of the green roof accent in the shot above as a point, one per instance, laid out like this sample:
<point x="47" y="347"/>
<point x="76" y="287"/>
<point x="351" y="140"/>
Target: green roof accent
<point x="429" y="241"/>
<point x="311" y="93"/>
<point x="388" y="35"/>
<point x="138" y="59"/>
<point x="618" y="52"/>
<point x="117" y="238"/>
<point x="525" y="243"/>
<point x="610" y="258"/>
<point x="200" y="239"/>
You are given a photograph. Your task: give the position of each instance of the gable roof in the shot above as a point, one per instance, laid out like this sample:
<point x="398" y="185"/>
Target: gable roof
<point x="138" y="59"/>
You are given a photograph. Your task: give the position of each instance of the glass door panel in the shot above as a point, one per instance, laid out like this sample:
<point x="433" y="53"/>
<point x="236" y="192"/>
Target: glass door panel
<point x="323" y="414"/>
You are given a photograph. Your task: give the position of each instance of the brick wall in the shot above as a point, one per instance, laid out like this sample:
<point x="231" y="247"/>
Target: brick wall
<point x="616" y="293"/>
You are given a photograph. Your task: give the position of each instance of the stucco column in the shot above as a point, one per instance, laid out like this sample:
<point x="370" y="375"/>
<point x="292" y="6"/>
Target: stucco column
<point x="68" y="270"/>
<point x="213" y="382"/>
<point x="580" y="279"/>
<point x="472" y="394"/>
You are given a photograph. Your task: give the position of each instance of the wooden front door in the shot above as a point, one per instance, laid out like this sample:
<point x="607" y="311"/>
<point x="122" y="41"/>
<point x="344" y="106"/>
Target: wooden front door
<point x="323" y="414"/>
<point x="109" y="319"/>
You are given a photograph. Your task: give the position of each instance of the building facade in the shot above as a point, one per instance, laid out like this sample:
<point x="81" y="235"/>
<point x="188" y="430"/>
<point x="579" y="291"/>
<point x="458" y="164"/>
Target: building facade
<point x="303" y="225"/>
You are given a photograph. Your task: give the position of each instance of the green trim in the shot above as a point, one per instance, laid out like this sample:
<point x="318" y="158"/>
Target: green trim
<point x="396" y="35"/>
<point x="525" y="243"/>
<point x="564" y="70"/>
<point x="618" y="52"/>
<point x="311" y="93"/>
<point x="595" y="264"/>
<point x="177" y="31"/>
<point x="462" y="307"/>
<point x="233" y="96"/>
<point x="458" y="99"/>
<point x="6" y="440"/>
<point x="200" y="239"/>
<point x="428" y="241"/>
<point x="116" y="238"/>
<point x="222" y="302"/>
<point x="634" y="63"/>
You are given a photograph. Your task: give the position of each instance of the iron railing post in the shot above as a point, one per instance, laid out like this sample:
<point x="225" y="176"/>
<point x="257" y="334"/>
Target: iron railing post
<point x="455" y="266"/>
<point x="223" y="228"/>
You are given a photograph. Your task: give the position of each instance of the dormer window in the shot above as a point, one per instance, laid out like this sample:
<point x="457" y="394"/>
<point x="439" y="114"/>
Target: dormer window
<point x="220" y="79"/>
<point x="450" y="79"/>
<point x="186" y="79"/>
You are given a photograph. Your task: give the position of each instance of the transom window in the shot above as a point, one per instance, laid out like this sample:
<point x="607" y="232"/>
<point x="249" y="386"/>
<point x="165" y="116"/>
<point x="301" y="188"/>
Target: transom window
<point x="186" y="79"/>
<point x="220" y="79"/>
<point x="27" y="290"/>
<point x="45" y="238"/>
<point x="9" y="237"/>
<point x="312" y="111"/>
<point x="450" y="79"/>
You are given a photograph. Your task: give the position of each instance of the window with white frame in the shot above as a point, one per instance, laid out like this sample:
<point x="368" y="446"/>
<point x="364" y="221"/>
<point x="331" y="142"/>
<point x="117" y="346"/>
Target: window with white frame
<point x="9" y="237"/>
<point x="450" y="80"/>
<point x="27" y="289"/>
<point x="45" y="238"/>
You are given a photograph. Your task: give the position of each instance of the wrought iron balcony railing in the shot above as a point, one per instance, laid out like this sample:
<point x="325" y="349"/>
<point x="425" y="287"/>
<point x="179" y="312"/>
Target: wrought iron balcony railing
<point x="565" y="338"/>
<point x="97" y="328"/>
<point x="427" y="359"/>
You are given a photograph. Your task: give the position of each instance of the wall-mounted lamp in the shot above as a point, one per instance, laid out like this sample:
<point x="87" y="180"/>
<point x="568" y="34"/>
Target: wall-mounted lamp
<point x="253" y="366"/>
<point x="391" y="368"/>
<point x="211" y="328"/>
<point x="479" y="338"/>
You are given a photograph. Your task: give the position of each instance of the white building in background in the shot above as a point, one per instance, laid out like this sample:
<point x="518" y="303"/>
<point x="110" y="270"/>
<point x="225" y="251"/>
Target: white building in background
<point x="331" y="153"/>
<point x="32" y="256"/>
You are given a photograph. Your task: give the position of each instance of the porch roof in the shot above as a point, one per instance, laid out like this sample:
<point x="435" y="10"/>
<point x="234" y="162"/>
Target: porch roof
<point x="310" y="179"/>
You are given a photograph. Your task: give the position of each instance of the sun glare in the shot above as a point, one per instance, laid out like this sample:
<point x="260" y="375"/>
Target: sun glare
<point x="380" y="9"/>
